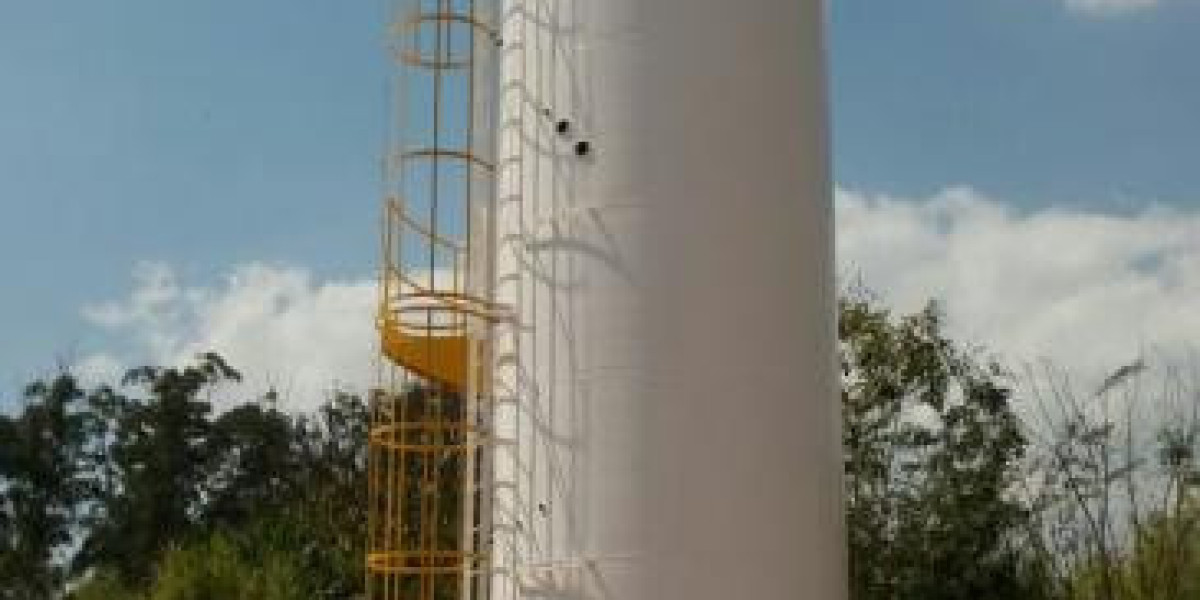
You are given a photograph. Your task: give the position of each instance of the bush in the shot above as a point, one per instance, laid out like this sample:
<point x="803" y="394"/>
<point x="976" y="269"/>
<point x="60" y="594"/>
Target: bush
<point x="104" y="585"/>
<point x="217" y="568"/>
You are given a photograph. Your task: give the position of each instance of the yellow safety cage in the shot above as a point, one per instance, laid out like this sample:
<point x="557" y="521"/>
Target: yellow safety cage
<point x="427" y="525"/>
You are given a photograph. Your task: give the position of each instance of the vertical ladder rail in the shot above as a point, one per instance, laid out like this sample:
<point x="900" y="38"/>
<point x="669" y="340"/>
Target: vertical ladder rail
<point x="427" y="539"/>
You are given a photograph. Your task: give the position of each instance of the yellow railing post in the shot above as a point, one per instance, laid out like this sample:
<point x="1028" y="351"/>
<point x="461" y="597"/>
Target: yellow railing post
<point x="434" y="310"/>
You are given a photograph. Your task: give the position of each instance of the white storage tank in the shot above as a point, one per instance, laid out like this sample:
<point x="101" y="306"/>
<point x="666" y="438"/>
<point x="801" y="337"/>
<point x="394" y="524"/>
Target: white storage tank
<point x="666" y="406"/>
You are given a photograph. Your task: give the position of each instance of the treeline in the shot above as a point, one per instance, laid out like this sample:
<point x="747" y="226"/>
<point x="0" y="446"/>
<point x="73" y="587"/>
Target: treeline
<point x="140" y="490"/>
<point x="955" y="494"/>
<point x="956" y="489"/>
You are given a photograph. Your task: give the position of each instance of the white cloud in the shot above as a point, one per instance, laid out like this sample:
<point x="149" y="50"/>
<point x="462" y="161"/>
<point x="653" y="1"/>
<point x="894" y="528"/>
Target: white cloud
<point x="1110" y="8"/>
<point x="98" y="369"/>
<point x="1089" y="291"/>
<point x="277" y="325"/>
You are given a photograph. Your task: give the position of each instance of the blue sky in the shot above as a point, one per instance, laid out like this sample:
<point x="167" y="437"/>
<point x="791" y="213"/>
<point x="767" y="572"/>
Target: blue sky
<point x="202" y="134"/>
<point x="1019" y="97"/>
<point x="207" y="134"/>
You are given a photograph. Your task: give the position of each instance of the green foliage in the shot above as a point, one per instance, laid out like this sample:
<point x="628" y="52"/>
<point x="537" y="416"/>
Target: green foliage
<point x="933" y="452"/>
<point x="256" y="464"/>
<point x="41" y="487"/>
<point x="220" y="567"/>
<point x="1162" y="564"/>
<point x="333" y="447"/>
<point x="145" y="489"/>
<point x="104" y="585"/>
<point x="1114" y="485"/>
<point x="161" y="453"/>
<point x="153" y="496"/>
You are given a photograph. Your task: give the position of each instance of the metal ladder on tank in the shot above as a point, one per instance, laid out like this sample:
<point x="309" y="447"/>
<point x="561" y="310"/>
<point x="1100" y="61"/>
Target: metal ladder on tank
<point x="427" y="531"/>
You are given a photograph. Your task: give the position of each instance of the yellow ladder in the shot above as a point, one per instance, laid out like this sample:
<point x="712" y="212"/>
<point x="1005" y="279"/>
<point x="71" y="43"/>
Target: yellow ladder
<point x="427" y="527"/>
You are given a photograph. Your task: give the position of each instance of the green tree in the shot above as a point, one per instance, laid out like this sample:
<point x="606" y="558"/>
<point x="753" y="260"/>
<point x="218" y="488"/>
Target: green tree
<point x="286" y="490"/>
<point x="42" y="484"/>
<point x="161" y="457"/>
<point x="256" y="466"/>
<point x="132" y="483"/>
<point x="331" y="509"/>
<point x="223" y="567"/>
<point x="104" y="585"/>
<point x="933" y="453"/>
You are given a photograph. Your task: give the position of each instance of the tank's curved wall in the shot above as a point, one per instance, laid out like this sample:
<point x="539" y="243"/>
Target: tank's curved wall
<point x="666" y="409"/>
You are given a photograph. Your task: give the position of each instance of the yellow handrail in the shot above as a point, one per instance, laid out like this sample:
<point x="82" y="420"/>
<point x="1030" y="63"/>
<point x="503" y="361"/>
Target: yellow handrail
<point x="441" y="153"/>
<point x="413" y="21"/>
<point x="426" y="431"/>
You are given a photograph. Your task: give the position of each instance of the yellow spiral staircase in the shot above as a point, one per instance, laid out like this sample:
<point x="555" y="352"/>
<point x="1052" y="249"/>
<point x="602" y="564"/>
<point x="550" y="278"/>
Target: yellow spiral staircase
<point x="427" y="527"/>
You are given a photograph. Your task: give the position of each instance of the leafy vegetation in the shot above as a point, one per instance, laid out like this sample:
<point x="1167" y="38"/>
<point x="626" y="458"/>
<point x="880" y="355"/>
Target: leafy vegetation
<point x="139" y="490"/>
<point x="933" y="451"/>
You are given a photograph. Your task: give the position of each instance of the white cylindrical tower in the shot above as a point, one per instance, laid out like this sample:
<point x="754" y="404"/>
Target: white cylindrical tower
<point x="666" y="406"/>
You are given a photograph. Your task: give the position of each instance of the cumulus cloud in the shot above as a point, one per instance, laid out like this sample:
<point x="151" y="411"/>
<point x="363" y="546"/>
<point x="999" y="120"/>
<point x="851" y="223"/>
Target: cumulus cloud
<point x="1089" y="291"/>
<point x="1110" y="8"/>
<point x="278" y="325"/>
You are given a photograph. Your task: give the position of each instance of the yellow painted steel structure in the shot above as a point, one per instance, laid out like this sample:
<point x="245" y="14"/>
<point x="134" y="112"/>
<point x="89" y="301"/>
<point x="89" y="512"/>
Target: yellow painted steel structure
<point x="428" y="523"/>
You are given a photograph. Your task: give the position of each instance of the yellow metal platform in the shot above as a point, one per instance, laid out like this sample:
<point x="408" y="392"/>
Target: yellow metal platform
<point x="428" y="528"/>
<point x="441" y="359"/>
